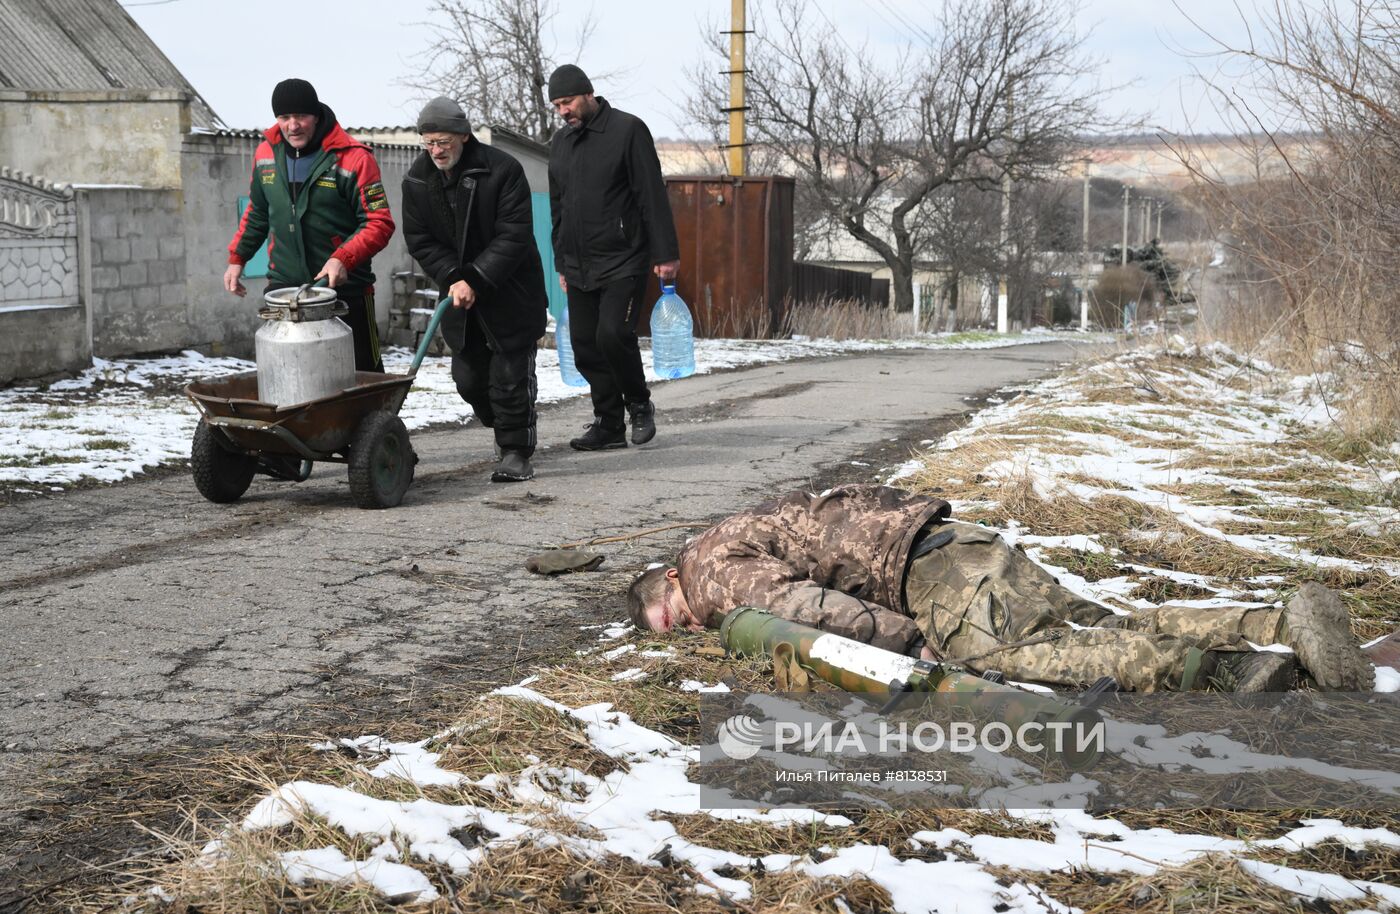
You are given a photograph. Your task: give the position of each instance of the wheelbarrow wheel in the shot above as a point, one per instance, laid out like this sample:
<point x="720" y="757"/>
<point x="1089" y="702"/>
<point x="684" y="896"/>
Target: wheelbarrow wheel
<point x="221" y="474"/>
<point x="381" y="461"/>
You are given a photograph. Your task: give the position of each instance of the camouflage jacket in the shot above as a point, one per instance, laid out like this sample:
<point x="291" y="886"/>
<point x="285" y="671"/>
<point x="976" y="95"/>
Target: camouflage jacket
<point x="834" y="561"/>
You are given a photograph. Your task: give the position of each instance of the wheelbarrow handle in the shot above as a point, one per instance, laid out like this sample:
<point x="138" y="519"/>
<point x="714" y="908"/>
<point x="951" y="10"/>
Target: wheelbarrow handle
<point x="438" y="312"/>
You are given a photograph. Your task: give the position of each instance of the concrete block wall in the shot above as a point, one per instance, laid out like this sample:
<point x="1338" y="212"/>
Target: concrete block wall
<point x="43" y="322"/>
<point x="136" y="271"/>
<point x="42" y="341"/>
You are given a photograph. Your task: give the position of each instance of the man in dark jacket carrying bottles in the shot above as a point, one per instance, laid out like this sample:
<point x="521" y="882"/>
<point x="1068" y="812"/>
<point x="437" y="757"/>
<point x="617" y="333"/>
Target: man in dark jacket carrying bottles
<point x="611" y="227"/>
<point x="317" y="199"/>
<point x="468" y="223"/>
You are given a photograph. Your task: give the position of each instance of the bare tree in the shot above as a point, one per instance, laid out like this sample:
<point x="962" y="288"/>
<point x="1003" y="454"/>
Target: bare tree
<point x="494" y="57"/>
<point x="1317" y="234"/>
<point x="994" y="87"/>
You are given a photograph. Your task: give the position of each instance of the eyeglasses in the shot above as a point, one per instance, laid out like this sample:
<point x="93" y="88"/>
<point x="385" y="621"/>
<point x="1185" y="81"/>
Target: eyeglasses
<point x="438" y="144"/>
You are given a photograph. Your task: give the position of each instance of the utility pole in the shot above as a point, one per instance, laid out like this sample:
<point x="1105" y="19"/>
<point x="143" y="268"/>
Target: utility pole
<point x="1004" y="293"/>
<point x="1003" y="322"/>
<point x="1124" y="250"/>
<point x="1146" y="220"/>
<point x="738" y="147"/>
<point x="1160" y="207"/>
<point x="1084" y="254"/>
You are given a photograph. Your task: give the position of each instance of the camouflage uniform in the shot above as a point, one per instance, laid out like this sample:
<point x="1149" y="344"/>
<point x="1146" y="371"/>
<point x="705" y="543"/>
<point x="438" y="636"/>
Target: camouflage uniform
<point x="834" y="561"/>
<point x="838" y="561"/>
<point x="981" y="603"/>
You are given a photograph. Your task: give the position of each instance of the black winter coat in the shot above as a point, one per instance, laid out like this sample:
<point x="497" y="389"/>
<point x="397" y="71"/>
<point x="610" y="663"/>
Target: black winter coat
<point x="611" y="217"/>
<point x="489" y="241"/>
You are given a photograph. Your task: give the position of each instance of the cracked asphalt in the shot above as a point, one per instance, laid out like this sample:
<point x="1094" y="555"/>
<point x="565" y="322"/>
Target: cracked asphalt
<point x="140" y="618"/>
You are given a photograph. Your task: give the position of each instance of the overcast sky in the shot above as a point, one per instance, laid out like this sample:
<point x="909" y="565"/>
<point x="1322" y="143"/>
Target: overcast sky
<point x="357" y="52"/>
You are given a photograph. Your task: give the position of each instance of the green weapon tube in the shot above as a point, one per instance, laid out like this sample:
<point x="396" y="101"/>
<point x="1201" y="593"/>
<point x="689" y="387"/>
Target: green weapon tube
<point x="855" y="667"/>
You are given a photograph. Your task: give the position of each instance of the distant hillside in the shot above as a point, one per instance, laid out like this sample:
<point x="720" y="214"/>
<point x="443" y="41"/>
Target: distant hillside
<point x="1137" y="160"/>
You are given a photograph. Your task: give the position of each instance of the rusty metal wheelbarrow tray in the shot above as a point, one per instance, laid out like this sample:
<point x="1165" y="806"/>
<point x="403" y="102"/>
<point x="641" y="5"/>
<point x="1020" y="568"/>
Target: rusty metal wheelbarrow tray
<point x="314" y="430"/>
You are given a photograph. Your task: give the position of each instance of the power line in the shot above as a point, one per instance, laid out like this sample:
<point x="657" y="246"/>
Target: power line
<point x="834" y="30"/>
<point x="904" y="20"/>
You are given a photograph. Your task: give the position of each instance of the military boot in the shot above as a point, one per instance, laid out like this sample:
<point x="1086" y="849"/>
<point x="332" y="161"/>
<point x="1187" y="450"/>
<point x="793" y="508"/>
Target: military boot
<point x="1316" y="626"/>
<point x="1237" y="671"/>
<point x="1253" y="671"/>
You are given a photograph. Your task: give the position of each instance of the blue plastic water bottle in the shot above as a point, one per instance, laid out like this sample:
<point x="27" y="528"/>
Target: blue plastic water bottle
<point x="565" y="348"/>
<point x="672" y="336"/>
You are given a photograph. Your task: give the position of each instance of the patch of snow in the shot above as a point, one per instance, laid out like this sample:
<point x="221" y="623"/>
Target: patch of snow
<point x="329" y="864"/>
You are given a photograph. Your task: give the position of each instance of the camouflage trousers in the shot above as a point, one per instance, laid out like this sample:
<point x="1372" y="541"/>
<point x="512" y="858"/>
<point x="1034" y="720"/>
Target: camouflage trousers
<point x="976" y="600"/>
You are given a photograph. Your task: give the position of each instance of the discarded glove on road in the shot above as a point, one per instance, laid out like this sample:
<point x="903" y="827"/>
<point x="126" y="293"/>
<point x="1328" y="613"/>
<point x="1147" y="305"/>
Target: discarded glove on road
<point x="563" y="561"/>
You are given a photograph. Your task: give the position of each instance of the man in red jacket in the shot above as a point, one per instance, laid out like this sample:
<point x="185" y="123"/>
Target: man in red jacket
<point x="886" y="567"/>
<point x="317" y="199"/>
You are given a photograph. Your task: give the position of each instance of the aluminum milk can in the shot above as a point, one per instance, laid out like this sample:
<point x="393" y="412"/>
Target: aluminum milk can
<point x="304" y="350"/>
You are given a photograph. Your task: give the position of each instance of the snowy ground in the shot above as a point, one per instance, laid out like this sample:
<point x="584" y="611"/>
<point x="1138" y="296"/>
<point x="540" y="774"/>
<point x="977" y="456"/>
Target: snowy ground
<point x="407" y="820"/>
<point x="121" y="417"/>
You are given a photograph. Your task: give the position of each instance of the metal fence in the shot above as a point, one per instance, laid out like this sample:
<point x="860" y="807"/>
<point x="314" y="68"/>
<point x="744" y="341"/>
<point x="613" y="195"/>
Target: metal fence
<point x="813" y="283"/>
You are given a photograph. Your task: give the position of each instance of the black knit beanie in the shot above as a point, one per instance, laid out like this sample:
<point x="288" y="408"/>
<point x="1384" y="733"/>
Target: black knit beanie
<point x="295" y="96"/>
<point x="568" y="80"/>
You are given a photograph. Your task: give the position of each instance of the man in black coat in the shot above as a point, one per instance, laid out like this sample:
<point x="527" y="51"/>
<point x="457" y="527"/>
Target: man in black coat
<point x="611" y="227"/>
<point x="468" y="223"/>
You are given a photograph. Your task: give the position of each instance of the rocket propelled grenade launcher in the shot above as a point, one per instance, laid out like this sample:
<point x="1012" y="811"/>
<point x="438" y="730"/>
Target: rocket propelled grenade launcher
<point x="855" y="667"/>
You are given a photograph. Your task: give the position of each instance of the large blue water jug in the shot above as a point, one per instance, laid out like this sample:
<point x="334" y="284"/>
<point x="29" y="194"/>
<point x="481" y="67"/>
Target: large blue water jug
<point x="672" y="336"/>
<point x="565" y="347"/>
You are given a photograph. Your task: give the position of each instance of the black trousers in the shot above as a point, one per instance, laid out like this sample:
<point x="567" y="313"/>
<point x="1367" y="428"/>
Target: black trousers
<point x="501" y="388"/>
<point x="602" y="330"/>
<point x="362" y="324"/>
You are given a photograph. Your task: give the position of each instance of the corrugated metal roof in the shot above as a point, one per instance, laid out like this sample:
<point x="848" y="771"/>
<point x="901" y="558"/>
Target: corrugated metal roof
<point x="59" y="45"/>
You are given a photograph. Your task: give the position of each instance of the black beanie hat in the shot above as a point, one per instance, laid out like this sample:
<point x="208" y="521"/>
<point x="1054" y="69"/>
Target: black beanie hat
<point x="295" y="96"/>
<point x="568" y="80"/>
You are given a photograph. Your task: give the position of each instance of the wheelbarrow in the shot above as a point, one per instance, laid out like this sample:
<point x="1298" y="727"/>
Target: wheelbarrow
<point x="239" y="436"/>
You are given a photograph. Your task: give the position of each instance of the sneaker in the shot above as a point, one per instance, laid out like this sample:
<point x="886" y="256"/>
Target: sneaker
<point x="1253" y="671"/>
<point x="514" y="467"/>
<point x="1316" y="626"/>
<point x="643" y="421"/>
<point x="597" y="438"/>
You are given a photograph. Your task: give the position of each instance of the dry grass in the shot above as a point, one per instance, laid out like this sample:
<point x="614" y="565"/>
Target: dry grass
<point x="535" y="880"/>
<point x="1213" y="884"/>
<point x="1319" y="472"/>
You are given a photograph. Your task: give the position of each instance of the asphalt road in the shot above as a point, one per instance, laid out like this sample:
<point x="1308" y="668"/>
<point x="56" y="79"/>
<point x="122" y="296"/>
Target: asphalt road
<point x="139" y="616"/>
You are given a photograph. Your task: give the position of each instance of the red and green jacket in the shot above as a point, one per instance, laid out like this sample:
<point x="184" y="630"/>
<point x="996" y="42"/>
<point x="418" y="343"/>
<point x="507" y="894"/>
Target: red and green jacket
<point x="341" y="212"/>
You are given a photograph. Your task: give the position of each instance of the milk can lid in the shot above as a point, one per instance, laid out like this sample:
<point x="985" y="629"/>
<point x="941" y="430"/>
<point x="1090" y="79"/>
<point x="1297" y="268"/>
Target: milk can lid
<point x="282" y="298"/>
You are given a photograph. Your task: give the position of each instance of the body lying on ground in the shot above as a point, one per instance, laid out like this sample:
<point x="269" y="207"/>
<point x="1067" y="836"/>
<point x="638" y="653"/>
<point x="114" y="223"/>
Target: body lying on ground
<point x="889" y="568"/>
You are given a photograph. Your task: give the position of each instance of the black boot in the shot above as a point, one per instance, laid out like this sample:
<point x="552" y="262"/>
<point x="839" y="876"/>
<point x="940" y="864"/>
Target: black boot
<point x="598" y="438"/>
<point x="643" y="421"/>
<point x="514" y="467"/>
<point x="1245" y="672"/>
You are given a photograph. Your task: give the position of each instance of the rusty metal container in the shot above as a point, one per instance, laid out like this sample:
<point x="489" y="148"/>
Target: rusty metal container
<point x="736" y="252"/>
